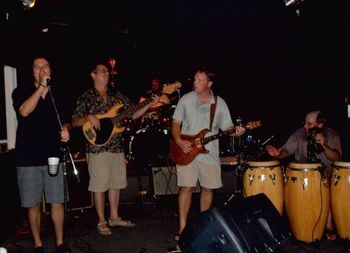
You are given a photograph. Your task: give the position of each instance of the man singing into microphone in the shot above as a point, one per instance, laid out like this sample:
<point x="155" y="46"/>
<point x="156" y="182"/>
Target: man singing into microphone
<point x="38" y="137"/>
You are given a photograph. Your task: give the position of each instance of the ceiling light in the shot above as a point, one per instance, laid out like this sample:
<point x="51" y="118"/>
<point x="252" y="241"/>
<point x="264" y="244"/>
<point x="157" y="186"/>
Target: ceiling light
<point x="27" y="4"/>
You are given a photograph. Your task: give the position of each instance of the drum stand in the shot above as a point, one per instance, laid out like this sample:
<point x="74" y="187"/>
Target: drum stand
<point x="240" y="168"/>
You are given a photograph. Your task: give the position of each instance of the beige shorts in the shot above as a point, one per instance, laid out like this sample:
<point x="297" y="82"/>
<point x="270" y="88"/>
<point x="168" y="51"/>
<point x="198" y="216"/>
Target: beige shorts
<point x="208" y="175"/>
<point x="107" y="171"/>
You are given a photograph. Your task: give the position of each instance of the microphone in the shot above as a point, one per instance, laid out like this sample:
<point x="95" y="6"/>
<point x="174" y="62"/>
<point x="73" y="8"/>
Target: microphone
<point x="48" y="82"/>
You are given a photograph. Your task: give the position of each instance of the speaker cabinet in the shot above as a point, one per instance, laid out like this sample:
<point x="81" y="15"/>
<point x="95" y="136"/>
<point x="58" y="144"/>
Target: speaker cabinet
<point x="244" y="225"/>
<point x="165" y="181"/>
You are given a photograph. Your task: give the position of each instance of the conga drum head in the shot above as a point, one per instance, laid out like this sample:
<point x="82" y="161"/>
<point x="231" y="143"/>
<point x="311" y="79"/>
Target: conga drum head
<point x="341" y="164"/>
<point x="264" y="177"/>
<point x="263" y="163"/>
<point x="304" y="166"/>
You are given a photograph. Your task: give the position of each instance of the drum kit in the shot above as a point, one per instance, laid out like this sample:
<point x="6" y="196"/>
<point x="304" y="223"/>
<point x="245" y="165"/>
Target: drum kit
<point x="147" y="140"/>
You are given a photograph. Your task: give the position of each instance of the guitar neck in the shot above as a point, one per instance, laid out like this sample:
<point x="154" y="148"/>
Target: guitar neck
<point x="216" y="136"/>
<point x="250" y="125"/>
<point x="130" y="111"/>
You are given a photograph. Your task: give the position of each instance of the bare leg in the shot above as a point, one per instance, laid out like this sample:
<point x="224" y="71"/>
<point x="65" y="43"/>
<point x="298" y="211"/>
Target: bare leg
<point x="184" y="202"/>
<point x="329" y="224"/>
<point x="57" y="216"/>
<point x="100" y="206"/>
<point x="330" y="234"/>
<point x="206" y="199"/>
<point x="113" y="198"/>
<point x="34" y="216"/>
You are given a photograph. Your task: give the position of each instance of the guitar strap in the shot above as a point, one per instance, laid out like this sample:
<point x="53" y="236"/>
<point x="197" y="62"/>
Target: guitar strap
<point x="212" y="112"/>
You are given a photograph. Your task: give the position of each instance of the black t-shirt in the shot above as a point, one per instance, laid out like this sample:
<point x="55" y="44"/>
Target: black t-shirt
<point x="38" y="134"/>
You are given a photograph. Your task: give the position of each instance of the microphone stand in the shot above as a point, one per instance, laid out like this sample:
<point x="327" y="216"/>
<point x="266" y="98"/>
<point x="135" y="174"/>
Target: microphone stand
<point x="66" y="152"/>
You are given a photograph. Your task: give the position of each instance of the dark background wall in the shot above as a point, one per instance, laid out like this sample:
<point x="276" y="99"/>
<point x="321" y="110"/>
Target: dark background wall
<point x="272" y="64"/>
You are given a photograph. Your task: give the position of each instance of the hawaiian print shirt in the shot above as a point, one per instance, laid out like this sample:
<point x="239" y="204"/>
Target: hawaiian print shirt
<point x="90" y="102"/>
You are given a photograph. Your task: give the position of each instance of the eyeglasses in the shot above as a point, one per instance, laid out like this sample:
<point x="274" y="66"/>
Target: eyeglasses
<point x="101" y="71"/>
<point x="39" y="67"/>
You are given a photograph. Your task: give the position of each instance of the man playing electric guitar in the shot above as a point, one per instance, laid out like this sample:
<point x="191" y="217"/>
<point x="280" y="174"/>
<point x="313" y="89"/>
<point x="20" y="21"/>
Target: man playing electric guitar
<point x="193" y="113"/>
<point x="106" y="163"/>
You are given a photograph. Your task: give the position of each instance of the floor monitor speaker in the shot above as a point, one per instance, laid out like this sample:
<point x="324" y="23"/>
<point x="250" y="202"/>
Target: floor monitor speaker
<point x="250" y="224"/>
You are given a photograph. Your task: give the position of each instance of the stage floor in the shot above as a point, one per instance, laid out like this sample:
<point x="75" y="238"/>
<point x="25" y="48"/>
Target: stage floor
<point x="156" y="220"/>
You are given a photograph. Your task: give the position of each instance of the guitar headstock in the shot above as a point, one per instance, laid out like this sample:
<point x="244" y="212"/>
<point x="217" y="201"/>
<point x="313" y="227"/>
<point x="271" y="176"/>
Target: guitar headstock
<point x="170" y="88"/>
<point x="253" y="124"/>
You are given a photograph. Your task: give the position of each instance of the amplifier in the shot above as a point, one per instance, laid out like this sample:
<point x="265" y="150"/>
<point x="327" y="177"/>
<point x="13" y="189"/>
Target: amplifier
<point x="165" y="181"/>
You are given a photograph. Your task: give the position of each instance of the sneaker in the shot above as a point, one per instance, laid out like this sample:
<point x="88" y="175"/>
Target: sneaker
<point x="103" y="229"/>
<point x="61" y="249"/>
<point x="39" y="250"/>
<point x="175" y="249"/>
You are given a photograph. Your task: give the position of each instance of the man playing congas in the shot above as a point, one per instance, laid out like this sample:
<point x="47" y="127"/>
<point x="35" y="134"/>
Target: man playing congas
<point x="313" y="143"/>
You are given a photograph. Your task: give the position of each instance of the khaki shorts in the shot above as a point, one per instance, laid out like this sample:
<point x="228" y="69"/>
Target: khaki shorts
<point x="107" y="171"/>
<point x="208" y="175"/>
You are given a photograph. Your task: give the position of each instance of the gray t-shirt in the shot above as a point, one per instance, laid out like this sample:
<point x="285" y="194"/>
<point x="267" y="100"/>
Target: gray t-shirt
<point x="297" y="145"/>
<point x="195" y="117"/>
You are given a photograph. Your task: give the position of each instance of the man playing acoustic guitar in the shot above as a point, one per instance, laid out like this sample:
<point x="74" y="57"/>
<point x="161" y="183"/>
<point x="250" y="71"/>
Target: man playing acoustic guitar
<point x="193" y="113"/>
<point x="97" y="110"/>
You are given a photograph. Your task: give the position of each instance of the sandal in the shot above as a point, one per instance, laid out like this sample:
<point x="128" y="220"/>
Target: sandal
<point x="119" y="222"/>
<point x="103" y="229"/>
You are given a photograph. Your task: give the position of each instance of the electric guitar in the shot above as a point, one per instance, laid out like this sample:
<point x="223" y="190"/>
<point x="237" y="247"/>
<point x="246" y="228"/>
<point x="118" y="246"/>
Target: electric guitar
<point x="197" y="143"/>
<point x="111" y="121"/>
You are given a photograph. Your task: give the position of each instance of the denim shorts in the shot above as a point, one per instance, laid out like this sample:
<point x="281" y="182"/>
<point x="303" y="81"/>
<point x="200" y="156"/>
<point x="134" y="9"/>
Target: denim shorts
<point x="33" y="181"/>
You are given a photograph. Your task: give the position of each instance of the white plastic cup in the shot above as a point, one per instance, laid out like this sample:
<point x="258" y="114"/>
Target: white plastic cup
<point x="3" y="250"/>
<point x="53" y="165"/>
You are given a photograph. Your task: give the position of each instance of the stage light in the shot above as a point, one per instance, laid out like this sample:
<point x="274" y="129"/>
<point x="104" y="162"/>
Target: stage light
<point x="28" y="4"/>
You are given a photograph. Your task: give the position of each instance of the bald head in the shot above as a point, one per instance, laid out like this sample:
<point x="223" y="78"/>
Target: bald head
<point x="311" y="120"/>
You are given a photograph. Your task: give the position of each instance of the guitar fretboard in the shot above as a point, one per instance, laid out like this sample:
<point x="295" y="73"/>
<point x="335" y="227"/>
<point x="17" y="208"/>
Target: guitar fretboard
<point x="130" y="111"/>
<point x="216" y="136"/>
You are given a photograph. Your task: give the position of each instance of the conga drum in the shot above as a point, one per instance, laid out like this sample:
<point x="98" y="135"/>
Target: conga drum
<point x="340" y="198"/>
<point x="306" y="195"/>
<point x="264" y="177"/>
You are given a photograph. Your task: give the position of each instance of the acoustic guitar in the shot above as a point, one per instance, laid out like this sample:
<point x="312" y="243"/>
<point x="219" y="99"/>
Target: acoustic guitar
<point x="197" y="143"/>
<point x="112" y="121"/>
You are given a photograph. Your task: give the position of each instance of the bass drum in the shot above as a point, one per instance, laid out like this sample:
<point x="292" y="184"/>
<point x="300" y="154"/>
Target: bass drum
<point x="150" y="146"/>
